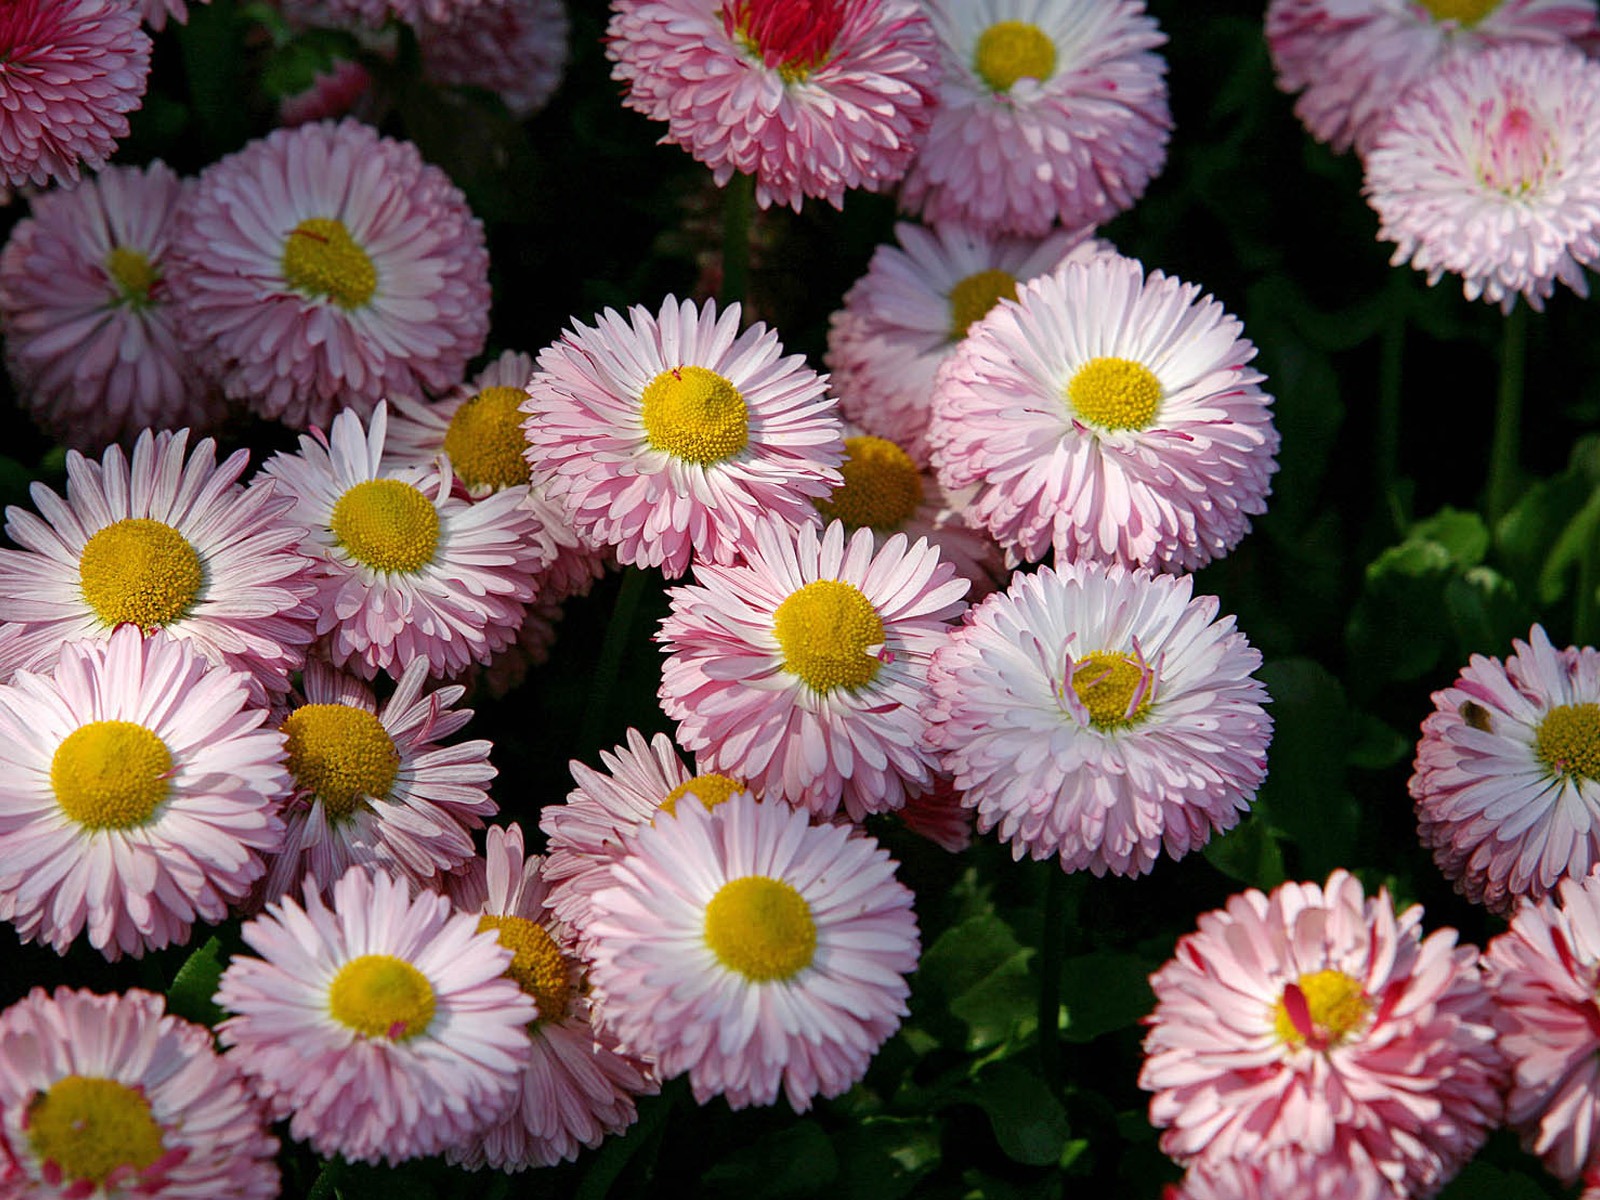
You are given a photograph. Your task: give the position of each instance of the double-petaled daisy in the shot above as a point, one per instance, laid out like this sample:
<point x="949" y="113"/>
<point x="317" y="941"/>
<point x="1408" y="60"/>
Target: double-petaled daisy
<point x="1342" y="1172"/>
<point x="376" y="13"/>
<point x="513" y="48"/>
<point x="478" y="426"/>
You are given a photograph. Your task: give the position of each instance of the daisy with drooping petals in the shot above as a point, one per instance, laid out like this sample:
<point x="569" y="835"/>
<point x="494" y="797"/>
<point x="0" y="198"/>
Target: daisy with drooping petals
<point x="112" y="1096"/>
<point x="138" y="794"/>
<point x="384" y="1027"/>
<point x="673" y="435"/>
<point x="324" y="267"/>
<point x="1050" y="112"/>
<point x="1318" y="1016"/>
<point x="800" y="672"/>
<point x="1507" y="775"/>
<point x="754" y="950"/>
<point x="812" y="97"/>
<point x="1108" y="415"/>
<point x="513" y="48"/>
<point x="1100" y="715"/>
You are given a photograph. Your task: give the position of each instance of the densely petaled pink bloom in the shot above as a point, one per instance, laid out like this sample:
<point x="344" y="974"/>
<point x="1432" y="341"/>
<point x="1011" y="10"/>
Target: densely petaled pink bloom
<point x="1288" y="1173"/>
<point x="753" y="950"/>
<point x="812" y="97"/>
<point x="673" y="435"/>
<point x="156" y="12"/>
<point x="1316" y="1016"/>
<point x="1352" y="60"/>
<point x="90" y="337"/>
<point x="1490" y="169"/>
<point x="1108" y="415"/>
<point x="138" y="794"/>
<point x="112" y="1096"/>
<point x="1100" y="715"/>
<point x="514" y="48"/>
<point x="333" y="93"/>
<point x="1050" y="111"/>
<point x="800" y="672"/>
<point x="1507" y="778"/>
<point x="383" y="1027"/>
<point x="323" y="267"/>
<point x="374" y="13"/>
<point x="70" y="72"/>
<point x="939" y="815"/>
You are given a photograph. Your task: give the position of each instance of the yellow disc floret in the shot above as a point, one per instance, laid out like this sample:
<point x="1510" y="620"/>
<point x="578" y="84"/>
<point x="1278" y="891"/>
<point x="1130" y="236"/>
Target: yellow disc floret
<point x="882" y="486"/>
<point x="1106" y="684"/>
<point x="89" y="1126"/>
<point x="1337" y="1005"/>
<point x="974" y="296"/>
<point x="387" y="525"/>
<point x="824" y="631"/>
<point x="320" y="258"/>
<point x="485" y="442"/>
<point x="1568" y="741"/>
<point x="1013" y="50"/>
<point x="695" y="415"/>
<point x="140" y="572"/>
<point x="111" y="775"/>
<point x="537" y="964"/>
<point x="710" y="789"/>
<point x="341" y="754"/>
<point x="1115" y="393"/>
<point x="381" y="996"/>
<point x="133" y="274"/>
<point x="1465" y="12"/>
<point x="761" y="928"/>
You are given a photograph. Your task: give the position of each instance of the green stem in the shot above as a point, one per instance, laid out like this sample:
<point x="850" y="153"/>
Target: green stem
<point x="1506" y="450"/>
<point x="738" y="199"/>
<point x="612" y="647"/>
<point x="1390" y="362"/>
<point x="1584" y="624"/>
<point x="1051" y="938"/>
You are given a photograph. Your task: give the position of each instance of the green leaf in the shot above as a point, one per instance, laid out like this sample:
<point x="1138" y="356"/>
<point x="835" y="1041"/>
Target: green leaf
<point x="1376" y="744"/>
<point x="797" y="1160"/>
<point x="1248" y="853"/>
<point x="1028" y="1121"/>
<point x="979" y="972"/>
<point x="1568" y="548"/>
<point x="882" y="1158"/>
<point x="1463" y="535"/>
<point x="1526" y="534"/>
<point x="1485" y="611"/>
<point x="1104" y="991"/>
<point x="193" y="987"/>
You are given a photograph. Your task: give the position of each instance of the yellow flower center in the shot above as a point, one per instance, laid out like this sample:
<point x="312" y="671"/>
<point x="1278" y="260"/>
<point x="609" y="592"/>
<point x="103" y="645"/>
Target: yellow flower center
<point x="537" y="964"/>
<point x="1106" y="683"/>
<point x="696" y="415"/>
<point x="710" y="789"/>
<point x="320" y="258"/>
<point x="387" y="525"/>
<point x="973" y="297"/>
<point x="882" y="486"/>
<point x="1466" y="12"/>
<point x="90" y="1126"/>
<point x="140" y="572"/>
<point x="111" y="775"/>
<point x="379" y="995"/>
<point x="131" y="271"/>
<point x="485" y="441"/>
<point x="341" y="754"/>
<point x="761" y="928"/>
<point x="1337" y="1005"/>
<point x="824" y="631"/>
<point x="1568" y="741"/>
<point x="1115" y="393"/>
<point x="1013" y="50"/>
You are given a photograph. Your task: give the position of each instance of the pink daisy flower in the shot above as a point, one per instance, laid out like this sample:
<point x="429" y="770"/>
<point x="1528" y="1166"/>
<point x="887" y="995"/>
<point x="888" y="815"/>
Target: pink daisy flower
<point x="1107" y="415"/>
<point x="1353" y="60"/>
<point x="90" y="337"/>
<point x="1050" y="112"/>
<point x="513" y="48"/>
<point x="333" y="93"/>
<point x="800" y="672"/>
<point x="1100" y="715"/>
<point x="1490" y="169"/>
<point x="112" y="1096"/>
<point x="812" y="97"/>
<point x="70" y="72"/>
<point x="478" y="426"/>
<point x="165" y="540"/>
<point x="384" y="1027"/>
<point x="939" y="815"/>
<point x="674" y="435"/>
<point x="138" y="794"/>
<point x="1289" y="1173"/>
<point x="1316" y="1016"/>
<point x="754" y="950"/>
<point x="1507" y="775"/>
<point x="375" y="13"/>
<point x="324" y="267"/>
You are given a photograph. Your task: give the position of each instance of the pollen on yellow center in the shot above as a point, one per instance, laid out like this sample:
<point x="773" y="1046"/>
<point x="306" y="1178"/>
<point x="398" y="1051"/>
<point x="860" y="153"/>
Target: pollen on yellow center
<point x="710" y="789"/>
<point x="1568" y="741"/>
<point x="1106" y="683"/>
<point x="1115" y="393"/>
<point x="696" y="415"/>
<point x="1337" y="1005"/>
<point x="537" y="964"/>
<point x="382" y="996"/>
<point x="824" y="630"/>
<point x="1013" y="50"/>
<point x="882" y="486"/>
<point x="111" y="774"/>
<point x="761" y="928"/>
<point x="1467" y="12"/>
<point x="485" y="441"/>
<point x="387" y="525"/>
<point x="133" y="274"/>
<point x="89" y="1126"/>
<point x="342" y="754"/>
<point x="320" y="258"/>
<point x="140" y="572"/>
<point x="973" y="297"/>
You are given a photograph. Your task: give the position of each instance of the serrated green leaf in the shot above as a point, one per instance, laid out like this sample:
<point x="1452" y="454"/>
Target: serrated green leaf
<point x="1248" y="853"/>
<point x="882" y="1158"/>
<point x="1104" y="991"/>
<point x="979" y="972"/>
<point x="797" y="1160"/>
<point x="1485" y="611"/>
<point x="1028" y="1121"/>
<point x="193" y="987"/>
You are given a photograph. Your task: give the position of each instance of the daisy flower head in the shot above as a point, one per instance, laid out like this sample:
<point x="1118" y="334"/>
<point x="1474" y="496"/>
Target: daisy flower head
<point x="513" y="48"/>
<point x="138" y="794"/>
<point x="1318" y="1020"/>
<point x="1110" y="415"/>
<point x="1507" y="774"/>
<point x="374" y="14"/>
<point x="1100" y="715"/>
<point x="812" y="97"/>
<point x="939" y="815"/>
<point x="160" y="539"/>
<point x="800" y="671"/>
<point x="1341" y="1173"/>
<point x="113" y="1096"/>
<point x="478" y="426"/>
<point x="754" y="950"/>
<point x="324" y="267"/>
<point x="1050" y="112"/>
<point x="672" y="435"/>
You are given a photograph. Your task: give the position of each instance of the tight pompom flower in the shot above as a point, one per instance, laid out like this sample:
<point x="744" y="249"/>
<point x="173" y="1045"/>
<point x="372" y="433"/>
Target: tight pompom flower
<point x="812" y="97"/>
<point x="324" y="267"/>
<point x="800" y="671"/>
<point x="478" y="426"/>
<point x="1288" y="1173"/>
<point x="1050" y="112"/>
<point x="1110" y="415"/>
<point x="113" y="1096"/>
<point x="754" y="951"/>
<point x="673" y="435"/>
<point x="513" y="48"/>
<point x="1101" y="716"/>
<point x="384" y="1027"/>
<point x="1318" y="1020"/>
<point x="138" y="794"/>
<point x="1507" y="775"/>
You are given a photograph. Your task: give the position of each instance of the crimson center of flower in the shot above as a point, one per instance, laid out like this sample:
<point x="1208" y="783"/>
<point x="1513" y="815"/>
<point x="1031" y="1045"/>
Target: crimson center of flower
<point x="485" y="441"/>
<point x="695" y="415"/>
<point x="1321" y="1010"/>
<point x="387" y="525"/>
<point x="825" y="631"/>
<point x="1568" y="741"/>
<point x="972" y="298"/>
<point x="381" y="996"/>
<point x="710" y="789"/>
<point x="139" y="572"/>
<point x="761" y="928"/>
<point x="793" y="37"/>
<point x="133" y="274"/>
<point x="89" y="1127"/>
<point x="537" y="964"/>
<point x="1115" y="393"/>
<point x="320" y="258"/>
<point x="1465" y="12"/>
<point x="341" y="754"/>
<point x="1516" y="151"/>
<point x="881" y="490"/>
<point x="1013" y="50"/>
<point x="1115" y="688"/>
<point x="111" y="775"/>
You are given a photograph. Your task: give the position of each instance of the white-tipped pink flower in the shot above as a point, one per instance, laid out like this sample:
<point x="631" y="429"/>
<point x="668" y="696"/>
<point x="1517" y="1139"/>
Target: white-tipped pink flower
<point x="1290" y="1173"/>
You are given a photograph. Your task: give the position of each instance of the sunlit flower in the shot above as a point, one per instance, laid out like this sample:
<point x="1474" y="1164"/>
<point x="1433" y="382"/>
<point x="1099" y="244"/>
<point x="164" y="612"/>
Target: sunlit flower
<point x="478" y="426"/>
<point x="1343" y="1172"/>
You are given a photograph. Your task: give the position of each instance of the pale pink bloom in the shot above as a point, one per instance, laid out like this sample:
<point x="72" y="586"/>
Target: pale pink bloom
<point x="138" y="794"/>
<point x="324" y="267"/>
<point x="1318" y="1020"/>
<point x="1507" y="774"/>
<point x="673" y="435"/>
<point x="113" y="1096"/>
<point x="939" y="815"/>
<point x="156" y="12"/>
<point x="1353" y="60"/>
<point x="1107" y="415"/>
<point x="513" y="48"/>
<point x="1289" y="1173"/>
<point x="384" y="1027"/>
<point x="1050" y="112"/>
<point x="753" y="950"/>
<point x="477" y="425"/>
<point x="333" y="93"/>
<point x="800" y="672"/>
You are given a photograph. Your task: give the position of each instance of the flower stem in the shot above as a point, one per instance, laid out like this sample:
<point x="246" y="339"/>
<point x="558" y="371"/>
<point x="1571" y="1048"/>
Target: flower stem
<point x="738" y="199"/>
<point x="1506" y="449"/>
<point x="612" y="647"/>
